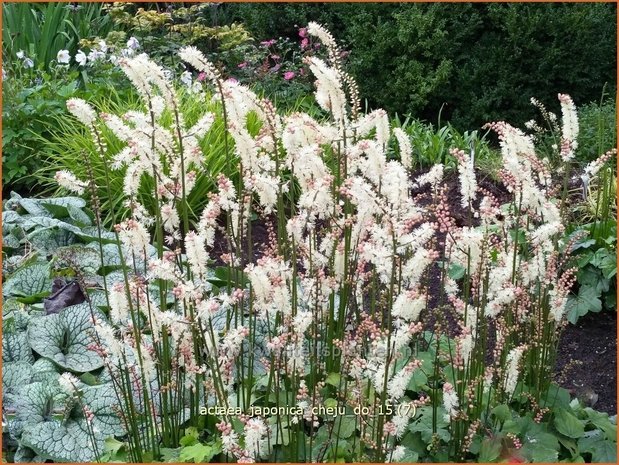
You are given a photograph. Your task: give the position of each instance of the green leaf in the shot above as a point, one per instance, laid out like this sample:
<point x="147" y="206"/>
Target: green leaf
<point x="33" y="207"/>
<point x="345" y="426"/>
<point x="333" y="379"/>
<point x="501" y="413"/>
<point x="588" y="299"/>
<point x="75" y="444"/>
<point x="423" y="424"/>
<point x="35" y="405"/>
<point x="191" y="436"/>
<point x="604" y="451"/>
<point x="78" y="216"/>
<point x="48" y="240"/>
<point x="456" y="271"/>
<point x="541" y="447"/>
<point x="198" y="453"/>
<point x="418" y="381"/>
<point x="556" y="397"/>
<point x="587" y="442"/>
<point x="65" y="337"/>
<point x="80" y="257"/>
<point x="15" y="348"/>
<point x="38" y="222"/>
<point x="490" y="450"/>
<point x="568" y="424"/>
<point x="169" y="454"/>
<point x="31" y="280"/>
<point x="15" y="375"/>
<point x="602" y="421"/>
<point x="44" y="370"/>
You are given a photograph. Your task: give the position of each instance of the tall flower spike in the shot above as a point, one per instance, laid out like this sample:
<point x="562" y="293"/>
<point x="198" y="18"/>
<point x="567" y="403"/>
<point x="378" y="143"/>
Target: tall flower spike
<point x="406" y="150"/>
<point x="569" y="130"/>
<point x="195" y="58"/>
<point x="82" y="111"/>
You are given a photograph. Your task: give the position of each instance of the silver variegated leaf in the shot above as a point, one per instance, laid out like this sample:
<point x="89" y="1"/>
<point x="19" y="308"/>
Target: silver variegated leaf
<point x="65" y="338"/>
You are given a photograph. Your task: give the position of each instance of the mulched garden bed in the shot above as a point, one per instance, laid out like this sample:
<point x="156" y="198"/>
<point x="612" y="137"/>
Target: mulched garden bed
<point x="589" y="351"/>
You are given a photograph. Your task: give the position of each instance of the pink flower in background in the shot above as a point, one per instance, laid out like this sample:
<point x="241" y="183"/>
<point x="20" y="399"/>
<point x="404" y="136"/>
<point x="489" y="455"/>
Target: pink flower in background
<point x="242" y="65"/>
<point x="303" y="32"/>
<point x="267" y="43"/>
<point x="275" y="57"/>
<point x="201" y="77"/>
<point x="232" y="80"/>
<point x="288" y="75"/>
<point x="304" y="43"/>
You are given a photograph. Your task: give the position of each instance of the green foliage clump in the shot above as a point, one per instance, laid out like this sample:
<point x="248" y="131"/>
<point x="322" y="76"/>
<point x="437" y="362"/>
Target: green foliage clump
<point x="42" y="29"/>
<point x="43" y="239"/>
<point x="476" y="62"/>
<point x="33" y="103"/>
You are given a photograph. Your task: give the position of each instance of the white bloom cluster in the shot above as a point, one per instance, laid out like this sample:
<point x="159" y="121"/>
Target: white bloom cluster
<point x="68" y="180"/>
<point x="69" y="383"/>
<point x="570" y="128"/>
<point x="450" y="400"/>
<point x="406" y="149"/>
<point x="270" y="284"/>
<point x="512" y="368"/>
<point x="82" y="111"/>
<point x="255" y="432"/>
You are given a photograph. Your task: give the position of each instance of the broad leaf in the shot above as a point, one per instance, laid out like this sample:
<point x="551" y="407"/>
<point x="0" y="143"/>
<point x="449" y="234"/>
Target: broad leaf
<point x="70" y="440"/>
<point x="15" y="348"/>
<point x="47" y="240"/>
<point x="568" y="424"/>
<point x="65" y="337"/>
<point x="15" y="375"/>
<point x="588" y="300"/>
<point x="199" y="453"/>
<point x="490" y="450"/>
<point x="31" y="280"/>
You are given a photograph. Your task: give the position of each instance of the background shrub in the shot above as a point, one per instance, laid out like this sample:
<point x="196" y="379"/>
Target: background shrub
<point x="476" y="62"/>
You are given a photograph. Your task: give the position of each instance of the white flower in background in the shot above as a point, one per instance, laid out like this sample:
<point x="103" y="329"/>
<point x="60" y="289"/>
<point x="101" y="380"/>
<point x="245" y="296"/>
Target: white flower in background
<point x="119" y="304"/>
<point x="329" y="92"/>
<point x="196" y="253"/>
<point x="186" y="78"/>
<point x="397" y="385"/>
<point x="102" y="46"/>
<point x="81" y="58"/>
<point x="20" y="54"/>
<point x="408" y="306"/>
<point x="133" y="43"/>
<point x="28" y="63"/>
<point x="63" y="57"/>
<point x="133" y="236"/>
<point x="95" y="55"/>
<point x="113" y="59"/>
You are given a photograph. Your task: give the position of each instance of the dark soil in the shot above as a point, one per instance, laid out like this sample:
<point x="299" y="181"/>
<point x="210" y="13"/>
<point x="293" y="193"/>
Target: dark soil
<point x="592" y="344"/>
